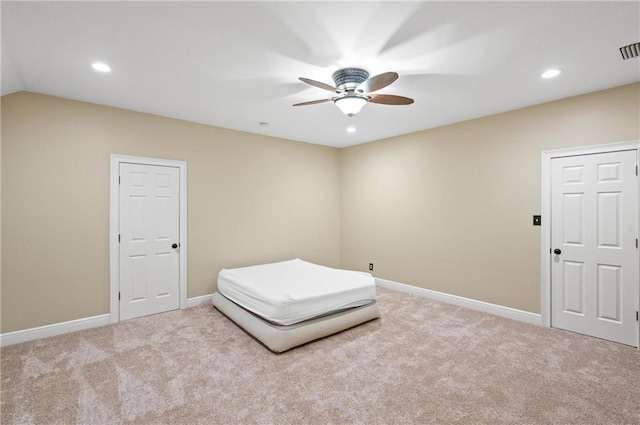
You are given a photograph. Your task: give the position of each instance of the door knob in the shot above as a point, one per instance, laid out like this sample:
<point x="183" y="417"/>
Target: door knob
<point x="174" y="246"/>
<point x="557" y="251"/>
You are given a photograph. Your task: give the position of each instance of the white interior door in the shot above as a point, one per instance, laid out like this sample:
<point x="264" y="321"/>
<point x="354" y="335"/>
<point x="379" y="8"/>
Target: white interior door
<point x="149" y="201"/>
<point x="594" y="231"/>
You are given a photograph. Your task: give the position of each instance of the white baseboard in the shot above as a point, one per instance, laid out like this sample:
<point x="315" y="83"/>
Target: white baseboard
<point x="498" y="310"/>
<point x="201" y="300"/>
<point x="32" y="334"/>
<point x="17" y="337"/>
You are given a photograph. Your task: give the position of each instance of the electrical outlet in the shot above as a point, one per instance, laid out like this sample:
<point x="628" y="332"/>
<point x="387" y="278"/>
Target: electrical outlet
<point x="370" y="266"/>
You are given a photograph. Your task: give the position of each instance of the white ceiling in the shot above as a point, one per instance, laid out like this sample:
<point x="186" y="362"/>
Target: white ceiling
<point x="236" y="64"/>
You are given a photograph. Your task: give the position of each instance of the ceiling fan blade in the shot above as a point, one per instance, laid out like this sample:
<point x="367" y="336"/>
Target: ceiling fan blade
<point x="390" y="99"/>
<point x="318" y="84"/>
<point x="313" y="102"/>
<point x="378" y="82"/>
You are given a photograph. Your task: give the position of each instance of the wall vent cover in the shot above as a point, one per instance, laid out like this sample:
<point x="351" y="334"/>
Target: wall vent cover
<point x="630" y="51"/>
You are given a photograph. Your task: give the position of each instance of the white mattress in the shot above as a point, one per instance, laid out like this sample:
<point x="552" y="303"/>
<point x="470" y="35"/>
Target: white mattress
<point x="293" y="291"/>
<point x="281" y="338"/>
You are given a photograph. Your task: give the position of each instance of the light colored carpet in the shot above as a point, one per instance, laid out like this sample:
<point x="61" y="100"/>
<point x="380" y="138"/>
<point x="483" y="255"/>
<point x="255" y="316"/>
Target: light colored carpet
<point x="422" y="362"/>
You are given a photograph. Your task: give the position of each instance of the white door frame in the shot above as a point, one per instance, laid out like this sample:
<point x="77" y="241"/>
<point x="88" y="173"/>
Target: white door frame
<point x="114" y="226"/>
<point x="547" y="156"/>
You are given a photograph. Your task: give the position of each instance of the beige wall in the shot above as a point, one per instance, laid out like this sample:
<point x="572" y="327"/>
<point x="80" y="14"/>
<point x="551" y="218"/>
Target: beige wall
<point x="450" y="209"/>
<point x="0" y="216"/>
<point x="251" y="199"/>
<point x="447" y="209"/>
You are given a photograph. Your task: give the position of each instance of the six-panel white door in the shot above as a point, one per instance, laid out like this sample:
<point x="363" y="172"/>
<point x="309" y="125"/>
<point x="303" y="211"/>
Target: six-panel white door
<point x="593" y="238"/>
<point x="149" y="237"/>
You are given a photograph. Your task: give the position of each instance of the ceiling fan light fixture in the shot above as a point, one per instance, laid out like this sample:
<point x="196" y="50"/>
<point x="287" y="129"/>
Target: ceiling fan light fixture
<point x="350" y="105"/>
<point x="352" y="90"/>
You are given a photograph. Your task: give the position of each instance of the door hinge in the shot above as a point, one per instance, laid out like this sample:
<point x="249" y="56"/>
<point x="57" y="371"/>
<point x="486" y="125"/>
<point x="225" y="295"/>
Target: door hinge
<point x="118" y="179"/>
<point x="118" y="296"/>
<point x="636" y="242"/>
<point x="636" y="170"/>
<point x="118" y="237"/>
<point x="636" y="316"/>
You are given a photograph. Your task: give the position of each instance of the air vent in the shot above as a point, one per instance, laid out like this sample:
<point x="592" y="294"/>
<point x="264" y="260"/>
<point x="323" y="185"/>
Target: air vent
<point x="630" y="51"/>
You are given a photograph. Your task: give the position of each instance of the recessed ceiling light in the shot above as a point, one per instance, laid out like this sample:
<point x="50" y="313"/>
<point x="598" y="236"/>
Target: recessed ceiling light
<point x="351" y="129"/>
<point x="101" y="67"/>
<point x="551" y="73"/>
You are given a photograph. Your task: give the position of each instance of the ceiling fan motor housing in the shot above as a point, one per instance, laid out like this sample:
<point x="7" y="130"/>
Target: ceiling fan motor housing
<point x="347" y="79"/>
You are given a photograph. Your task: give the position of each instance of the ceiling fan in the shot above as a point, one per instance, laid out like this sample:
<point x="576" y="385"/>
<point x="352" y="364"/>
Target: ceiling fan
<point x="353" y="89"/>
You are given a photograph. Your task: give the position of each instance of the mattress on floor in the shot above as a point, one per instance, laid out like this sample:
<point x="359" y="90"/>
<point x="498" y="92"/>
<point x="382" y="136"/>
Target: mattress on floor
<point x="293" y="291"/>
<point x="280" y="338"/>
